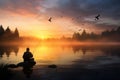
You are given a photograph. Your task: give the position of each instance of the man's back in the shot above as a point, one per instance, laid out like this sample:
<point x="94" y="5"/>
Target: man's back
<point x="27" y="55"/>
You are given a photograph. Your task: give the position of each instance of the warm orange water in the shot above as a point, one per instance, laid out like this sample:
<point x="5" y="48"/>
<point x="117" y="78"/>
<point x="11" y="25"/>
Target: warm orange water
<point x="56" y="54"/>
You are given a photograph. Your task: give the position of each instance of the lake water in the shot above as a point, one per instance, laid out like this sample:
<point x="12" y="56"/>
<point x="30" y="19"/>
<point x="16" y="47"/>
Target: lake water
<point x="64" y="56"/>
<point x="59" y="54"/>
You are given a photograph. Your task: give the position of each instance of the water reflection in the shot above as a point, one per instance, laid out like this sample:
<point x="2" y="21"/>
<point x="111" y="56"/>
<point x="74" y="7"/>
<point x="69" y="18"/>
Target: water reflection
<point x="60" y="55"/>
<point x="28" y="71"/>
<point x="27" y="68"/>
<point x="73" y="61"/>
<point x="111" y="50"/>
<point x="6" y="50"/>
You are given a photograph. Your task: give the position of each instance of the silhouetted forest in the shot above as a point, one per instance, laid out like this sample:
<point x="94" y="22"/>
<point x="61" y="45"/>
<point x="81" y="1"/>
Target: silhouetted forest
<point x="7" y="34"/>
<point x="107" y="35"/>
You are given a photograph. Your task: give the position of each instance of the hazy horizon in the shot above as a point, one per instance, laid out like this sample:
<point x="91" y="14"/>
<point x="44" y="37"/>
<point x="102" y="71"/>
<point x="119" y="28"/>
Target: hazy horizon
<point x="68" y="16"/>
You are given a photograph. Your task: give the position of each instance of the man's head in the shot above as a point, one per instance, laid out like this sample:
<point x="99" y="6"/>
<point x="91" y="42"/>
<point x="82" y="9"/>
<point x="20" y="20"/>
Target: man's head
<point x="27" y="49"/>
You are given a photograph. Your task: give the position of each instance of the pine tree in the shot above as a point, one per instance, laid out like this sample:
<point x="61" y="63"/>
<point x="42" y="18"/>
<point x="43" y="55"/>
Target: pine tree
<point x="16" y="33"/>
<point x="8" y="33"/>
<point x="1" y="30"/>
<point x="84" y="35"/>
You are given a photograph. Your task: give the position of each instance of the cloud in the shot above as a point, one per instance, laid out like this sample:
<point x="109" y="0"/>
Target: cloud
<point x="109" y="10"/>
<point x="21" y="7"/>
<point x="82" y="11"/>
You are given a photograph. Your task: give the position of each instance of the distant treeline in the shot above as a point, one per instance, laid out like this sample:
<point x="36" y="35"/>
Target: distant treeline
<point x="7" y="34"/>
<point x="107" y="35"/>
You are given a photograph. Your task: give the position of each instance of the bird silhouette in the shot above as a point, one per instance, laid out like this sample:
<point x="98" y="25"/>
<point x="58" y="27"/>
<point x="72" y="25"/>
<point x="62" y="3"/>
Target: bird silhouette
<point x="50" y="19"/>
<point x="97" y="17"/>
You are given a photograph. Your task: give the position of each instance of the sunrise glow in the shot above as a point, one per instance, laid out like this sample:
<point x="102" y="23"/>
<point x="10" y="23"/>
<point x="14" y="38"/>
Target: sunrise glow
<point x="32" y="19"/>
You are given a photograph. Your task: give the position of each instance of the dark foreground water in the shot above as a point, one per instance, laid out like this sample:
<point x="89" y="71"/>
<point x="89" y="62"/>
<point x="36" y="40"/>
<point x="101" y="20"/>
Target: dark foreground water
<point x="74" y="62"/>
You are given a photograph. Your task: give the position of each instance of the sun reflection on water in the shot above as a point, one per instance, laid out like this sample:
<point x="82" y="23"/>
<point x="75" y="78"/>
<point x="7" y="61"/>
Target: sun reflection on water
<point x="48" y="53"/>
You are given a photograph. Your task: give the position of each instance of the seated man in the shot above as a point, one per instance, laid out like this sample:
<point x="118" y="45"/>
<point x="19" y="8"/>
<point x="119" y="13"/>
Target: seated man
<point x="28" y="56"/>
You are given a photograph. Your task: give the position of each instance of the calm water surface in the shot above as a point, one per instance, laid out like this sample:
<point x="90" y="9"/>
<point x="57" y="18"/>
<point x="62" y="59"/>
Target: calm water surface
<point x="86" y="62"/>
<point x="60" y="55"/>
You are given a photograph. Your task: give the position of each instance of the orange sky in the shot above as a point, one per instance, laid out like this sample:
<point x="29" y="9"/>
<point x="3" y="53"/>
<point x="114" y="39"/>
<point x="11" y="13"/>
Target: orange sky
<point x="31" y="17"/>
<point x="29" y="25"/>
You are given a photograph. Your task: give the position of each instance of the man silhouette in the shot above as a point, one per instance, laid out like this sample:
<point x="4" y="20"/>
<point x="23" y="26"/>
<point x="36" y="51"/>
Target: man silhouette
<point x="27" y="56"/>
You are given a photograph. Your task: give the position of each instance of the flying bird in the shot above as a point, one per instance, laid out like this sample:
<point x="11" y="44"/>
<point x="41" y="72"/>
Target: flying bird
<point x="50" y="19"/>
<point x="97" y="17"/>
